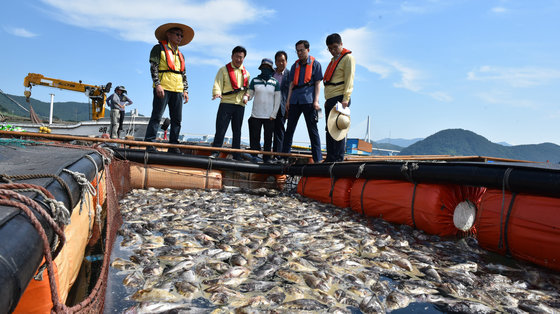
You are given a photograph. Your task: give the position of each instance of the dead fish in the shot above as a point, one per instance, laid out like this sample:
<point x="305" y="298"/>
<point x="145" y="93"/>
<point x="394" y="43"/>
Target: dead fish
<point x="154" y="307"/>
<point x="260" y="286"/>
<point x="304" y="305"/>
<point x="396" y="300"/>
<point x="186" y="288"/>
<point x="265" y="271"/>
<point x="431" y="273"/>
<point x="155" y="295"/>
<point x="238" y="260"/>
<point x="183" y="265"/>
<point x="134" y="279"/>
<point x="371" y="304"/>
<point x="122" y="264"/>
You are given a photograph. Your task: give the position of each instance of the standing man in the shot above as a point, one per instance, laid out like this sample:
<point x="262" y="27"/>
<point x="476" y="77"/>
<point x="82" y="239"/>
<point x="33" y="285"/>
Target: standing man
<point x="303" y="97"/>
<point x="117" y="102"/>
<point x="339" y="83"/>
<point x="281" y="74"/>
<point x="265" y="91"/>
<point x="230" y="85"/>
<point x="127" y="102"/>
<point x="167" y="66"/>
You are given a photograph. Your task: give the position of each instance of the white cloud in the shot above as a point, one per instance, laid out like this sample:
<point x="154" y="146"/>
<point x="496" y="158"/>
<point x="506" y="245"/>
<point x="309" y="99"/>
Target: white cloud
<point x="366" y="48"/>
<point x="20" y="32"/>
<point x="136" y="20"/>
<point x="441" y="96"/>
<point x="516" y="77"/>
<point x="409" y="77"/>
<point x="498" y="10"/>
<point x="502" y="98"/>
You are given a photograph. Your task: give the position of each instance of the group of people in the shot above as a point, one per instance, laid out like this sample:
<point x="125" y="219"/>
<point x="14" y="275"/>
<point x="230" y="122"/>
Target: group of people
<point x="277" y="94"/>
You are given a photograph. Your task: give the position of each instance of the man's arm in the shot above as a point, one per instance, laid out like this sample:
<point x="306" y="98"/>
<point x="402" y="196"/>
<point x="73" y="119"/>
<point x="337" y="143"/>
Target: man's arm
<point x="288" y="98"/>
<point x="316" y="96"/>
<point x="349" y="70"/>
<point x="155" y="56"/>
<point x="318" y="77"/>
<point x="218" y="85"/>
<point x="185" y="86"/>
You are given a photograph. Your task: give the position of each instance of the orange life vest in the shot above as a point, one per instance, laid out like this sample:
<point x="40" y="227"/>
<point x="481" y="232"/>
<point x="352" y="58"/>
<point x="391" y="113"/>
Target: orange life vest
<point x="170" y="57"/>
<point x="233" y="78"/>
<point x="308" y="72"/>
<point x="332" y="66"/>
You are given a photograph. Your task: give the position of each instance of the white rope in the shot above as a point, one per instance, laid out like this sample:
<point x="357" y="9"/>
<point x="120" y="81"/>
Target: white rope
<point x="59" y="211"/>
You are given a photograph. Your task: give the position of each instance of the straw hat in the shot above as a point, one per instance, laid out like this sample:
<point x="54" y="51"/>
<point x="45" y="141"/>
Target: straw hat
<point x="188" y="32"/>
<point x="338" y="124"/>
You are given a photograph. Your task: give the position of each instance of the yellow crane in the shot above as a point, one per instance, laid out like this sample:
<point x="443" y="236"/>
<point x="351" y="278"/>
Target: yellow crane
<point x="97" y="94"/>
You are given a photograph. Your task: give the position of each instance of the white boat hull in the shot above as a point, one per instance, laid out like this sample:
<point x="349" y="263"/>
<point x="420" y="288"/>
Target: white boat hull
<point x="135" y="127"/>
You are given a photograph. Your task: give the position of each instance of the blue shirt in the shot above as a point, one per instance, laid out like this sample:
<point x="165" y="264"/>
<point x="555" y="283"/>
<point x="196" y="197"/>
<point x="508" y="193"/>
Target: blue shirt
<point x="305" y="95"/>
<point x="283" y="79"/>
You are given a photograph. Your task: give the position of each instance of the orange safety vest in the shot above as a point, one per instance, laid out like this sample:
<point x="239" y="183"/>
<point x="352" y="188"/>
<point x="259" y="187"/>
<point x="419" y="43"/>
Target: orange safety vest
<point x="308" y="72"/>
<point x="233" y="79"/>
<point x="332" y="66"/>
<point x="170" y="57"/>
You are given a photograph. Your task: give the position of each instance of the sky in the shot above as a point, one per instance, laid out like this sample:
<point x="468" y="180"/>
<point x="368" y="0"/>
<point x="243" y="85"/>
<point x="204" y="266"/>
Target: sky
<point x="488" y="66"/>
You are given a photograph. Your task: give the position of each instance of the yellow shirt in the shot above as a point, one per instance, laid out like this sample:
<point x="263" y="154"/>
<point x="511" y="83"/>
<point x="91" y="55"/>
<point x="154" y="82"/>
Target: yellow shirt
<point x="344" y="72"/>
<point x="222" y="84"/>
<point x="170" y="81"/>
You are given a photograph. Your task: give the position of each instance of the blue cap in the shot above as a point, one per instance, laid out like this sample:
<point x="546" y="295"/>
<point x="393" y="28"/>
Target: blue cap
<point x="266" y="61"/>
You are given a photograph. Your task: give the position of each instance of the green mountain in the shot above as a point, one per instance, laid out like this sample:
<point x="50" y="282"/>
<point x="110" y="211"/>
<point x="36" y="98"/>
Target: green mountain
<point x="459" y="142"/>
<point x="67" y="111"/>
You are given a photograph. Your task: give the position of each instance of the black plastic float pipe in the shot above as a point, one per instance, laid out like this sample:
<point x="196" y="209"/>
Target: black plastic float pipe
<point x="518" y="178"/>
<point x="513" y="177"/>
<point x="22" y="248"/>
<point x="203" y="162"/>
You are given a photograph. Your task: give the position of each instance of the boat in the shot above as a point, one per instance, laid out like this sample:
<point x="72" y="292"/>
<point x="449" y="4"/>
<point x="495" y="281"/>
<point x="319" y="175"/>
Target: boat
<point x="134" y="125"/>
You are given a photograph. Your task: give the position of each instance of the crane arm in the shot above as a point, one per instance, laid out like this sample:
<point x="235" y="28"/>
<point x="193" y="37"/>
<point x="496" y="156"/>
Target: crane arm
<point x="97" y="94"/>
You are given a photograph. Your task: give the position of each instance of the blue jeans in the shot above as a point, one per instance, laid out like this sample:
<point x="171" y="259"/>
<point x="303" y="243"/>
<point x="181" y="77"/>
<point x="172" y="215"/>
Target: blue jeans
<point x="311" y="119"/>
<point x="175" y="102"/>
<point x="335" y="149"/>
<point x="226" y="113"/>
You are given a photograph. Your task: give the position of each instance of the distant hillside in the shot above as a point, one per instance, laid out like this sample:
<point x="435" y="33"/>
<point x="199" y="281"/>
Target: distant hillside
<point x="399" y="141"/>
<point x="459" y="142"/>
<point x="68" y="111"/>
<point x="386" y="146"/>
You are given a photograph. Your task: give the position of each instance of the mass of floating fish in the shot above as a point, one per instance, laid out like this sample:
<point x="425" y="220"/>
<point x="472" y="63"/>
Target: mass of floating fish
<point x="264" y="251"/>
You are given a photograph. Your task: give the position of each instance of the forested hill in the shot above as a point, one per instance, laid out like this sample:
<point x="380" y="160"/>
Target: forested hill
<point x="67" y="111"/>
<point x="459" y="142"/>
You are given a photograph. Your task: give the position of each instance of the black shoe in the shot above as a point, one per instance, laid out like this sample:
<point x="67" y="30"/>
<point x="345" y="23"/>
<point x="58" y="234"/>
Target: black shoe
<point x="214" y="155"/>
<point x="151" y="149"/>
<point x="174" y="150"/>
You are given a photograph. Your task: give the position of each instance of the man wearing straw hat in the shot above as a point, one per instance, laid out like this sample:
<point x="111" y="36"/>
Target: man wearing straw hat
<point x="167" y="66"/>
<point x="339" y="83"/>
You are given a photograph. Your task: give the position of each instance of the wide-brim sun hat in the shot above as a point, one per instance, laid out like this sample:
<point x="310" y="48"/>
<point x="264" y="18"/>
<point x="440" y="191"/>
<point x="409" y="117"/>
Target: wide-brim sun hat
<point x="121" y="88"/>
<point x="338" y="124"/>
<point x="188" y="32"/>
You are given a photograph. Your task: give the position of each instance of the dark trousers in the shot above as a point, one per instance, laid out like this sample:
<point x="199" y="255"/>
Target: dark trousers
<point x="175" y="102"/>
<point x="121" y="120"/>
<point x="335" y="149"/>
<point x="255" y="126"/>
<point x="311" y="118"/>
<point x="279" y="131"/>
<point x="226" y="113"/>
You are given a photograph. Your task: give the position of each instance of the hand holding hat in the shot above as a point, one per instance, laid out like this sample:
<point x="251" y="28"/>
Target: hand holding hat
<point x="338" y="123"/>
